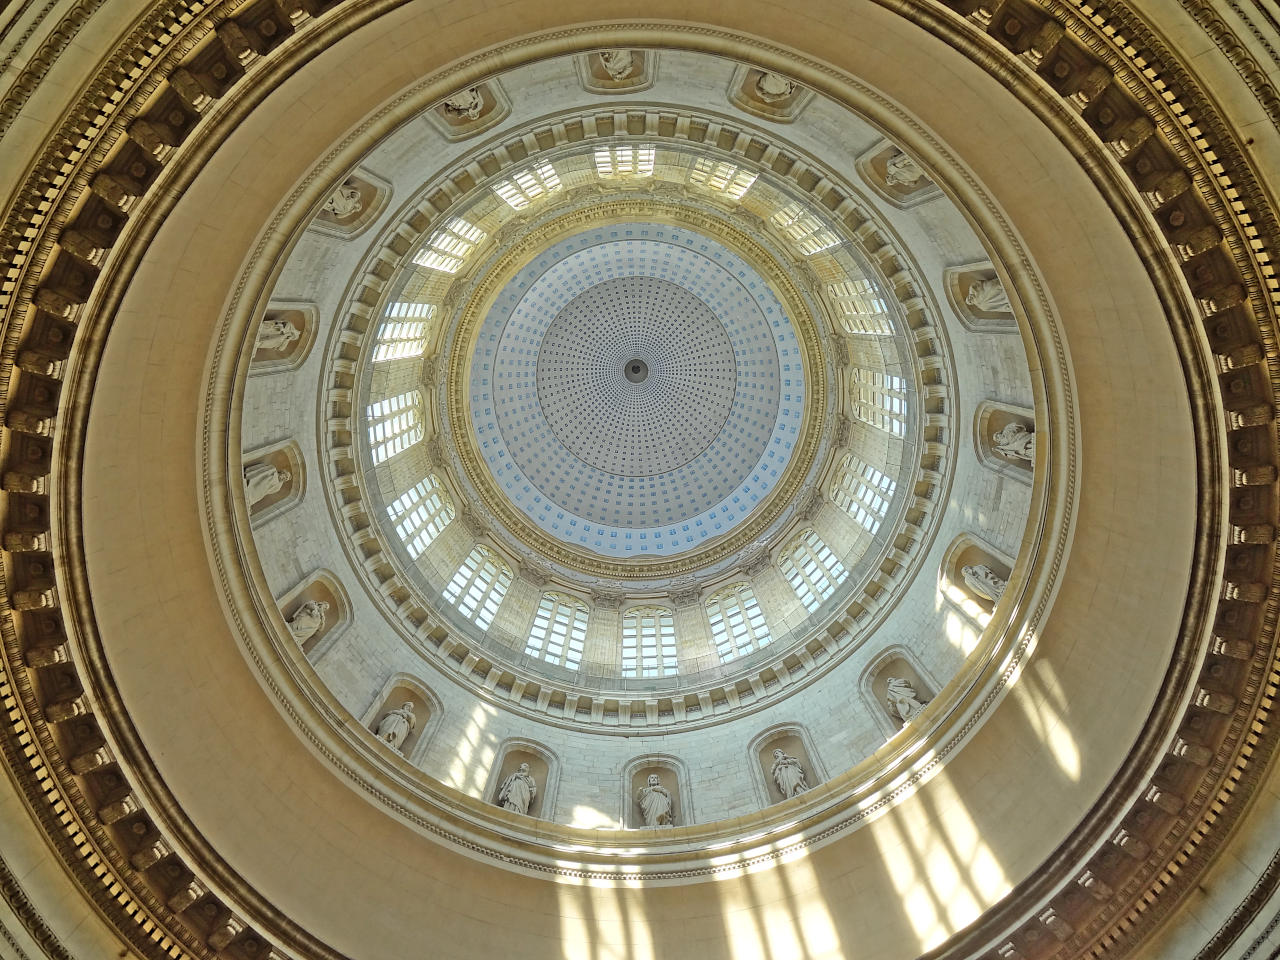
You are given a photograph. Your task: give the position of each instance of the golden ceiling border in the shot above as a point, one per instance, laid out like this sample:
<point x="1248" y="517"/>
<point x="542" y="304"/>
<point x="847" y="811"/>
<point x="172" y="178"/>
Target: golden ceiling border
<point x="1261" y="752"/>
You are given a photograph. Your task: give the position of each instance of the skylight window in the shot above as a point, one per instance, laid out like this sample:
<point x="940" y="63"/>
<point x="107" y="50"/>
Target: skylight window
<point x="726" y="178"/>
<point x="528" y="185"/>
<point x="808" y="233"/>
<point x="449" y="247"/>
<point x="737" y="623"/>
<point x="879" y="399"/>
<point x="861" y="310"/>
<point x="863" y="492"/>
<point x="478" y="586"/>
<point x="395" y="424"/>
<point x="404" y="331"/>
<point x="812" y="569"/>
<point x="420" y="514"/>
<point x="625" y="160"/>
<point x="559" y="630"/>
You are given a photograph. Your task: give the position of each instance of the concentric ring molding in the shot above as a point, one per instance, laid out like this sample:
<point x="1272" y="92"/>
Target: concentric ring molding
<point x="1185" y="97"/>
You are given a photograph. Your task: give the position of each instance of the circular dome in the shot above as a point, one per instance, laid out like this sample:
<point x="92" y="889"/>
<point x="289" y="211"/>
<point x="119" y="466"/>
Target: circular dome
<point x="636" y="389"/>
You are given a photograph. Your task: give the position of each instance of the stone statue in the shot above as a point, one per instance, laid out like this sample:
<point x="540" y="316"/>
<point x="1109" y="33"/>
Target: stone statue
<point x="772" y="87"/>
<point x="983" y="581"/>
<point x="1015" y="441"/>
<point x="788" y="774"/>
<point x="308" y="619"/>
<point x="988" y="296"/>
<point x="518" y="790"/>
<point x="655" y="803"/>
<point x="262" y="480"/>
<point x="618" y="64"/>
<point x="344" y="202"/>
<point x="468" y="104"/>
<point x="275" y="334"/>
<point x="901" y="170"/>
<point x="396" y="725"/>
<point x="902" y="699"/>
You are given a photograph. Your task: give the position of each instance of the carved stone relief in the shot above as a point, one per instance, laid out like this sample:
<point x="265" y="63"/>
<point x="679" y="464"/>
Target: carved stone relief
<point x="896" y="175"/>
<point x="784" y="764"/>
<point x="396" y="725"/>
<point x="314" y="613"/>
<point x="654" y="802"/>
<point x="617" y="70"/>
<point x="898" y="688"/>
<point x="766" y="94"/>
<point x="1005" y="438"/>
<point x="524" y="780"/>
<point x="471" y="110"/>
<point x="353" y="204"/>
<point x="655" y="794"/>
<point x="403" y="715"/>
<point x="977" y="571"/>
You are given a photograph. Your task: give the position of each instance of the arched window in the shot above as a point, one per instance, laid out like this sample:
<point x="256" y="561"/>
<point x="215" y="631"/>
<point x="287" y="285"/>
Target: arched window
<point x="737" y="622"/>
<point x="808" y="233"/>
<point x="812" y="569"/>
<point x="726" y="178"/>
<point x="479" y="585"/>
<point x="395" y="424"/>
<point x="863" y="492"/>
<point x="861" y="310"/>
<point x="420" y="514"/>
<point x="649" y="642"/>
<point x="559" y="630"/>
<point x="879" y="399"/>
<point x="404" y="331"/>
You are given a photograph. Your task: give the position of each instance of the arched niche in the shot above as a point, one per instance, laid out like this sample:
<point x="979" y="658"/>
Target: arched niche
<point x="544" y="766"/>
<point x="352" y="205"/>
<point x="1006" y="420"/>
<point x="793" y="739"/>
<point x="399" y="689"/>
<point x="608" y="72"/>
<point x="889" y="171"/>
<point x="283" y="336"/>
<point x="969" y="550"/>
<point x="470" y="111"/>
<point x="979" y="298"/>
<point x="901" y="663"/>
<point x="767" y="94"/>
<point x="674" y="777"/>
<point x="320" y="587"/>
<point x="285" y="457"/>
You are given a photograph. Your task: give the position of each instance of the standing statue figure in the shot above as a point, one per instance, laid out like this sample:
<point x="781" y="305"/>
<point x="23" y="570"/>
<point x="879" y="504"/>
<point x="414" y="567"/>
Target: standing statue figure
<point x="467" y="103"/>
<point x="772" y="87"/>
<point x="788" y="774"/>
<point x="983" y="581"/>
<point x="655" y="803"/>
<point x="988" y="296"/>
<point x="902" y="700"/>
<point x="344" y="202"/>
<point x="308" y="619"/>
<point x="262" y="480"/>
<point x="901" y="170"/>
<point x="1016" y="441"/>
<point x="275" y="334"/>
<point x="396" y="725"/>
<point x="618" y="64"/>
<point x="518" y="790"/>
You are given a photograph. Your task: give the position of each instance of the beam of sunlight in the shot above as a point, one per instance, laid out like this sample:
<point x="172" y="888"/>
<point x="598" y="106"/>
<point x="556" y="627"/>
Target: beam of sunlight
<point x="589" y="818"/>
<point x="474" y="756"/>
<point x="1043" y="701"/>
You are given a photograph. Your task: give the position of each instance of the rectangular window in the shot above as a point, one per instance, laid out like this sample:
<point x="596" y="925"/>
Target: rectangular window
<point x="449" y="247"/>
<point x="722" y="177"/>
<point x="625" y="160"/>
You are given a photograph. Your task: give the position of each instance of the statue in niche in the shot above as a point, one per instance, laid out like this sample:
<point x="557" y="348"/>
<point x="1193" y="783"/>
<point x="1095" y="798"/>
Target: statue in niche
<point x="262" y="480"/>
<point x="275" y="334"/>
<point x="344" y="202"/>
<point x="788" y="774"/>
<point x="902" y="699"/>
<point x="518" y="790"/>
<point x="654" y="801"/>
<point x="308" y="619"/>
<point x="1015" y="441"/>
<point x="618" y="64"/>
<point x="900" y="170"/>
<point x="466" y="104"/>
<point x="772" y="87"/>
<point x="396" y="725"/>
<point x="988" y="296"/>
<point x="983" y="581"/>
